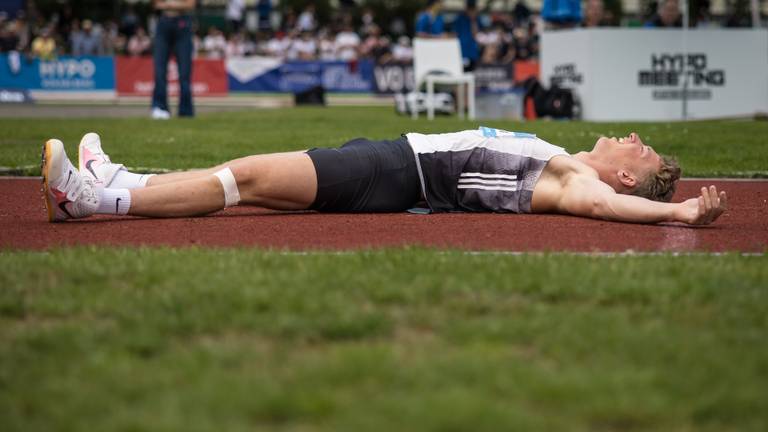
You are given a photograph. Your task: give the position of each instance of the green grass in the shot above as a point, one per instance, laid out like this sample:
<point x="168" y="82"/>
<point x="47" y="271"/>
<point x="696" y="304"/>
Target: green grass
<point x="184" y="339"/>
<point x="97" y="339"/>
<point x="713" y="148"/>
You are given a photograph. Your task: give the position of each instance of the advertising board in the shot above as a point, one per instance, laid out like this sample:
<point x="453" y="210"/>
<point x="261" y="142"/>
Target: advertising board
<point x="267" y="74"/>
<point x="135" y="77"/>
<point x="641" y="74"/>
<point x="65" y="73"/>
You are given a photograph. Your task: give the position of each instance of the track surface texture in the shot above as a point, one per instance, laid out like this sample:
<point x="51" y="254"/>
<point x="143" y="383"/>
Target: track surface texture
<point x="744" y="228"/>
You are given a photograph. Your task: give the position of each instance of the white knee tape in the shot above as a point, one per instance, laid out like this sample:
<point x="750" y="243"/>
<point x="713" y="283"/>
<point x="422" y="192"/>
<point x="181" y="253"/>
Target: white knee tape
<point x="231" y="194"/>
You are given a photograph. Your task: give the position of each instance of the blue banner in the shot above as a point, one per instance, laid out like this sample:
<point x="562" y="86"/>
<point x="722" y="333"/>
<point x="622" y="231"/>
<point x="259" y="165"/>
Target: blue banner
<point x="65" y="73"/>
<point x="259" y="74"/>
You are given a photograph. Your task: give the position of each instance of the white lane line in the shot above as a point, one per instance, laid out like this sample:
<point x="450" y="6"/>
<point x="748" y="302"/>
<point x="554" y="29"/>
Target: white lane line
<point x="627" y="253"/>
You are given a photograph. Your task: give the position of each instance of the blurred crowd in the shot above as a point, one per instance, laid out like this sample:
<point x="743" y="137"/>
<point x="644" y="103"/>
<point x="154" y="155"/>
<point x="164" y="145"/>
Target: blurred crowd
<point x="352" y="33"/>
<point x="31" y="33"/>
<point x="301" y="37"/>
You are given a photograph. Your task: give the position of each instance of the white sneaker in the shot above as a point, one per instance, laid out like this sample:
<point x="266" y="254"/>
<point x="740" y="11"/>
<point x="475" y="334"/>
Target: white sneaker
<point x="160" y="114"/>
<point x="68" y="195"/>
<point x="94" y="163"/>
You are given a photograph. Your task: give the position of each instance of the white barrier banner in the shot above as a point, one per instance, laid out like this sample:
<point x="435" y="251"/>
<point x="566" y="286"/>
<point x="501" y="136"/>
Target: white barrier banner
<point x="639" y="74"/>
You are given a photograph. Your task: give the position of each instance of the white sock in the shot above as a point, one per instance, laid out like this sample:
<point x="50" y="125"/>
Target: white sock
<point x="114" y="201"/>
<point x="125" y="179"/>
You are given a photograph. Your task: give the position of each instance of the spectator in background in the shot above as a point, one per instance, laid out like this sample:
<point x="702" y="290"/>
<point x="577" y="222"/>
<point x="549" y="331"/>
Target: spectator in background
<point x="114" y="41"/>
<point x="347" y="42"/>
<point x="667" y="15"/>
<point x="397" y="27"/>
<point x="37" y="20"/>
<point x="129" y="22"/>
<point x="235" y="9"/>
<point x="521" y="14"/>
<point x="9" y="40"/>
<point x="594" y="14"/>
<point x="402" y="51"/>
<point x="703" y="16"/>
<point x="561" y="14"/>
<point x="173" y="33"/>
<point x="327" y="45"/>
<point x="258" y="44"/>
<point x="429" y="23"/>
<point x="304" y="47"/>
<point x="347" y="5"/>
<point x="498" y="46"/>
<point x="288" y="21"/>
<point x="526" y="42"/>
<point x="75" y="34"/>
<point x="215" y="44"/>
<point x="371" y="41"/>
<point x="63" y="21"/>
<point x="86" y="41"/>
<point x="264" y="9"/>
<point x="44" y="45"/>
<point x="278" y="45"/>
<point x="488" y="36"/>
<point x="368" y="22"/>
<point x="737" y="15"/>
<point x="466" y="28"/>
<point x="382" y="53"/>
<point x="22" y="30"/>
<point x="139" y="44"/>
<point x="10" y="44"/>
<point x="306" y="21"/>
<point x="237" y="45"/>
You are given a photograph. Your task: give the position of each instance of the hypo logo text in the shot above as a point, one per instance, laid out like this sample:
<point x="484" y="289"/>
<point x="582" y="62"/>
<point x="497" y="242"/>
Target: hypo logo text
<point x="71" y="68"/>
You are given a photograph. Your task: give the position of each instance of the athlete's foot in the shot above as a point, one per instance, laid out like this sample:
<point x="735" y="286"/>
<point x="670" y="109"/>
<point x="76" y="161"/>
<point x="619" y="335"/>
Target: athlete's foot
<point x="160" y="114"/>
<point x="68" y="195"/>
<point x="94" y="163"/>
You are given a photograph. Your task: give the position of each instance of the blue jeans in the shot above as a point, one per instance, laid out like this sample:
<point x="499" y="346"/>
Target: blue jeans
<point x="173" y="34"/>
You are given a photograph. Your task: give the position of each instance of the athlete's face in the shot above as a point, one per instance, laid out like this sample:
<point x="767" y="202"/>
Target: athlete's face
<point x="627" y="153"/>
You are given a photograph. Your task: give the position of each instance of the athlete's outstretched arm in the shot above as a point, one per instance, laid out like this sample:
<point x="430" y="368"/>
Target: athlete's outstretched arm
<point x="587" y="196"/>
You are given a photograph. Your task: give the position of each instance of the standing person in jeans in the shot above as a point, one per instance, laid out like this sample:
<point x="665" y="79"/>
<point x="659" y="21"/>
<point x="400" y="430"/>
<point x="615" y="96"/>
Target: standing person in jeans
<point x="173" y="34"/>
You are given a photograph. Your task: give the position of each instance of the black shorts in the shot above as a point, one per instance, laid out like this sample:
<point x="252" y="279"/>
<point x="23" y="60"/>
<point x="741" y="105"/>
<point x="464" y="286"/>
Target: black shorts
<point x="366" y="176"/>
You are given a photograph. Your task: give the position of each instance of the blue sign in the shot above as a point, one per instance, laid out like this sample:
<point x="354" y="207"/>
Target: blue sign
<point x="348" y="77"/>
<point x="255" y="75"/>
<point x="299" y="76"/>
<point x="65" y="73"/>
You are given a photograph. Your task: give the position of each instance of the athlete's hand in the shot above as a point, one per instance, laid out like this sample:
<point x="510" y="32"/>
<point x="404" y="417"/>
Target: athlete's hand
<point x="704" y="209"/>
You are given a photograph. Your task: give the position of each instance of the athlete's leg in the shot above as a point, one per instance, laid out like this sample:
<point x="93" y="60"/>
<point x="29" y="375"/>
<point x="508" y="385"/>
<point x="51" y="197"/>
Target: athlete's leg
<point x="95" y="164"/>
<point x="174" y="177"/>
<point x="284" y="181"/>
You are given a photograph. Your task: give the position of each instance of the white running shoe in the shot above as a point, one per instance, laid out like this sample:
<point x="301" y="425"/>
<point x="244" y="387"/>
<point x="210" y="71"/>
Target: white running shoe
<point x="160" y="114"/>
<point x="94" y="163"/>
<point x="68" y="195"/>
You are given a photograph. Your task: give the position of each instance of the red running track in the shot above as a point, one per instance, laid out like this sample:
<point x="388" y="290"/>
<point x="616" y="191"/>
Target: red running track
<point x="744" y="228"/>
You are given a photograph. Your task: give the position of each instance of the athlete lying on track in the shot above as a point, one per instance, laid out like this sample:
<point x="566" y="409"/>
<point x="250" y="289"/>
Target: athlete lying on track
<point x="484" y="170"/>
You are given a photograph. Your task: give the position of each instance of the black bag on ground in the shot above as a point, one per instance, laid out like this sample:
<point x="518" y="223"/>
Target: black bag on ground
<point x="554" y="102"/>
<point x="312" y="96"/>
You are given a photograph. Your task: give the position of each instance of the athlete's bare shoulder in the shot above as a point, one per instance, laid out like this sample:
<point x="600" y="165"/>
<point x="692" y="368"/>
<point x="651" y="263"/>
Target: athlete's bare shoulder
<point x="559" y="171"/>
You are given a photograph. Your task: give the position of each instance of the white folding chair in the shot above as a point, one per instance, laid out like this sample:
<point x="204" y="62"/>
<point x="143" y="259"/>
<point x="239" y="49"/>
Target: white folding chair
<point x="438" y="61"/>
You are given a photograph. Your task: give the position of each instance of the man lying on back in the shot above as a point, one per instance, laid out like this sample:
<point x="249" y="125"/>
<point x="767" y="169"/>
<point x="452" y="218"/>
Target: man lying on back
<point x="483" y="170"/>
